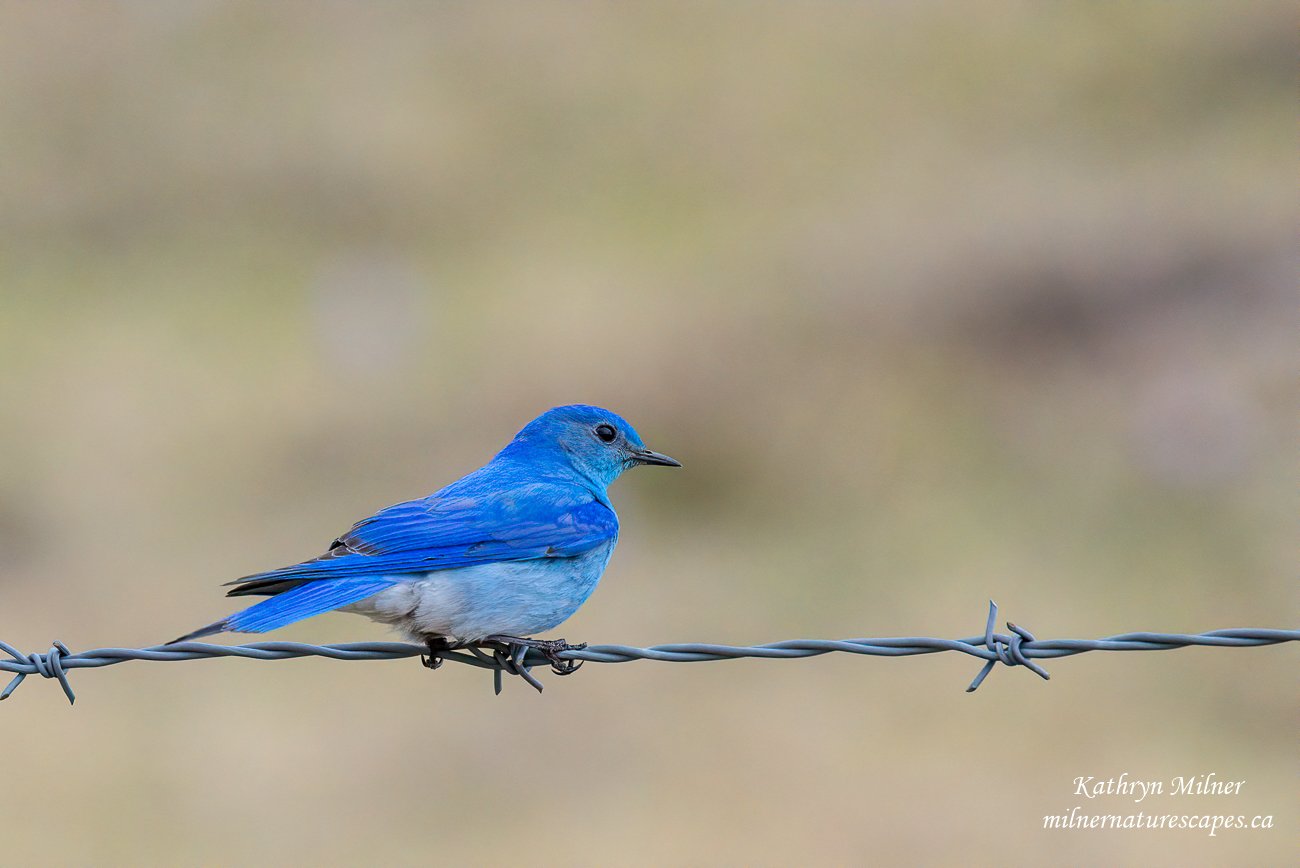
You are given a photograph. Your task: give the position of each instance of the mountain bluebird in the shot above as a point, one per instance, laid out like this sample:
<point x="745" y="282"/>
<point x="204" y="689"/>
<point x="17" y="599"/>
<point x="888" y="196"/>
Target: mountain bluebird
<point x="511" y="550"/>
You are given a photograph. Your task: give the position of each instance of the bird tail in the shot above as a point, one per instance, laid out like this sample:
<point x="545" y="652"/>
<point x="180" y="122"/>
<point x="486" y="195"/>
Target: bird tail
<point x="295" y="604"/>
<point x="214" y="627"/>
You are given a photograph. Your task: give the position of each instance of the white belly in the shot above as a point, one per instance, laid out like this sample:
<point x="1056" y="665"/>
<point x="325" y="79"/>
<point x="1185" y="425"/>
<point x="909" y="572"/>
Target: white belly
<point x="512" y="598"/>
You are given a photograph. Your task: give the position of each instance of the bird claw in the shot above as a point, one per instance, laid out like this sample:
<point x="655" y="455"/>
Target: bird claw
<point x="436" y="645"/>
<point x="566" y="667"/>
<point x="561" y="665"/>
<point x="509" y="653"/>
<point x="548" y="648"/>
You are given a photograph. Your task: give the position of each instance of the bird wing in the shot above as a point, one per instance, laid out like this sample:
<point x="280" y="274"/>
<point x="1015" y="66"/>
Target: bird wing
<point x="460" y="526"/>
<point x="501" y="512"/>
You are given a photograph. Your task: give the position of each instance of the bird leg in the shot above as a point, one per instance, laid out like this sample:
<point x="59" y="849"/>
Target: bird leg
<point x="549" y="648"/>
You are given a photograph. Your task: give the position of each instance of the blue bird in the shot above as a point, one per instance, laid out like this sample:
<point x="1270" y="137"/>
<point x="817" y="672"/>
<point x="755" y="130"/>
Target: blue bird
<point x="509" y="551"/>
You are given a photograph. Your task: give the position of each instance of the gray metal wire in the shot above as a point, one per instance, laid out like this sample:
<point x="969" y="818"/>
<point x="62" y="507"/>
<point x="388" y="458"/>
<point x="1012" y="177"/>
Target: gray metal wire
<point x="1018" y="648"/>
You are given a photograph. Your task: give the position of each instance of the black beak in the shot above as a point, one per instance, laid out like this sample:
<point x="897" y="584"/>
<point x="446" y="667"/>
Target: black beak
<point x="645" y="456"/>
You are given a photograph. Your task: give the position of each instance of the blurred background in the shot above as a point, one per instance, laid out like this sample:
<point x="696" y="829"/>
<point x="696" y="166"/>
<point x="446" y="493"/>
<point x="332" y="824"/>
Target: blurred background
<point x="935" y="303"/>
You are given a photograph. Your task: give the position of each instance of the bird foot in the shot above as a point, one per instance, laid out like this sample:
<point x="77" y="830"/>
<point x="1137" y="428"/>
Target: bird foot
<point x="549" y="648"/>
<point x="437" y="645"/>
<point x="508" y="653"/>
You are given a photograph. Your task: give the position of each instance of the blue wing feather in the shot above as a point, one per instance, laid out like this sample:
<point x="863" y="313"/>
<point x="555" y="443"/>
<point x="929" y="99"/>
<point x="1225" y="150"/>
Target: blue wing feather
<point x="402" y="539"/>
<point x="479" y="519"/>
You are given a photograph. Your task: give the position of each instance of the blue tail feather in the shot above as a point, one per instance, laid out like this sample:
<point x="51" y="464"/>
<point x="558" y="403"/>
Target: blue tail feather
<point x="304" y="601"/>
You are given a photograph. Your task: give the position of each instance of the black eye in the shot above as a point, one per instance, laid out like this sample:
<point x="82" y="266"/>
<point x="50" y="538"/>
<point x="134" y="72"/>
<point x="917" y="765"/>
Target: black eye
<point x="606" y="433"/>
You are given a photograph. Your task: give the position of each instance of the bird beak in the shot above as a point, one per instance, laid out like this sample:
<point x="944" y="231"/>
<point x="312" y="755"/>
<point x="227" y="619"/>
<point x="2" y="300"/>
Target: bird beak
<point x="645" y="456"/>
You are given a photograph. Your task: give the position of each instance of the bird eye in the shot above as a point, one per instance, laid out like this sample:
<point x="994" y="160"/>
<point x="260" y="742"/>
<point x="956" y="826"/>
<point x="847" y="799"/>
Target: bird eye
<point x="606" y="433"/>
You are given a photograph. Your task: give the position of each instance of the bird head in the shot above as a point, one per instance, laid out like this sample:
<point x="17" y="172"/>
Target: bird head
<point x="597" y="443"/>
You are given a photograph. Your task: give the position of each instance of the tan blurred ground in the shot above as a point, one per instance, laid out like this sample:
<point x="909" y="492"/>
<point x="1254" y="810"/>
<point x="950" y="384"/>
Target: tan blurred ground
<point x="935" y="303"/>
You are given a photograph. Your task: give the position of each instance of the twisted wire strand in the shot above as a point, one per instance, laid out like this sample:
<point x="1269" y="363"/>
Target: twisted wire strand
<point x="1018" y="648"/>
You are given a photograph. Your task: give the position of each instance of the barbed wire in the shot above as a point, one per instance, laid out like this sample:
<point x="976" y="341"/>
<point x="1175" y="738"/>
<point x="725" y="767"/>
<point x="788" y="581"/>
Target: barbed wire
<point x="1018" y="648"/>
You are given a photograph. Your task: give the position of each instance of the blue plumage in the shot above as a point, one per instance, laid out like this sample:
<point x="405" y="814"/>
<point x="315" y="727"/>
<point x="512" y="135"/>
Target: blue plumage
<point x="511" y="549"/>
<point x="303" y="601"/>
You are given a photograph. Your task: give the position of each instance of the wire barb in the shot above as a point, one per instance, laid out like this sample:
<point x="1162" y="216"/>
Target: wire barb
<point x="1019" y="647"/>
<point x="47" y="665"/>
<point x="1010" y="650"/>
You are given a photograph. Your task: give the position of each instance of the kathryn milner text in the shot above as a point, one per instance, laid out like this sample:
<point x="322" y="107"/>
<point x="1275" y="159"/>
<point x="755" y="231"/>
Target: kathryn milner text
<point x="1194" y="785"/>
